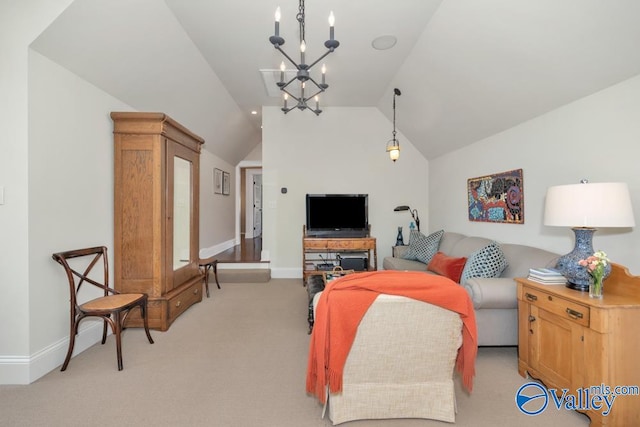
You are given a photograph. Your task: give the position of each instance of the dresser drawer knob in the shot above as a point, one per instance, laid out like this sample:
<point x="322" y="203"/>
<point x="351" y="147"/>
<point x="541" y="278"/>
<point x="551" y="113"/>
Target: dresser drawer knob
<point x="531" y="297"/>
<point x="195" y="291"/>
<point x="574" y="314"/>
<point x="178" y="303"/>
<point x="532" y="318"/>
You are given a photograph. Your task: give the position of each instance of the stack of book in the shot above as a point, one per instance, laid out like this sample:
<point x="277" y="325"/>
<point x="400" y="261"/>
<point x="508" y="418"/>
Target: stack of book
<point x="549" y="276"/>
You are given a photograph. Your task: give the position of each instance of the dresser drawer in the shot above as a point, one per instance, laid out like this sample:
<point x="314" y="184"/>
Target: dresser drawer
<point x="183" y="299"/>
<point x="557" y="305"/>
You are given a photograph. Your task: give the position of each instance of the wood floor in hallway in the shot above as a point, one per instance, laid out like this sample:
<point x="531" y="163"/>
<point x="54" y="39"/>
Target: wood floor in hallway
<point x="249" y="250"/>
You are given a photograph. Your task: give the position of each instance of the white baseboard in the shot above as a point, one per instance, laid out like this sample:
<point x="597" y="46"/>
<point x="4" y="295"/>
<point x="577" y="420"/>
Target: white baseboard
<point x="27" y="369"/>
<point x="216" y="249"/>
<point x="286" y="273"/>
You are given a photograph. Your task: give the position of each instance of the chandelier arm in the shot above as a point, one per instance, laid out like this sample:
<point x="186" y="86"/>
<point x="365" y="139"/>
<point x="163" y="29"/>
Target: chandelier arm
<point x="312" y="96"/>
<point x="288" y="83"/>
<point x="319" y="87"/>
<point x="292" y="96"/>
<point x="287" y="56"/>
<point x="319" y="59"/>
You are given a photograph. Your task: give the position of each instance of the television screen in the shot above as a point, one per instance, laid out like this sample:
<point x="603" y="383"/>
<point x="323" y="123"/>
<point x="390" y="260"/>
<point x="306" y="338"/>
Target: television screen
<point x="337" y="215"/>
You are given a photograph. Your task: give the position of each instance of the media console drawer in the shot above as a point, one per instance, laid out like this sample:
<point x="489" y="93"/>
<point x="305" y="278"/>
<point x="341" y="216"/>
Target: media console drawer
<point x="340" y="244"/>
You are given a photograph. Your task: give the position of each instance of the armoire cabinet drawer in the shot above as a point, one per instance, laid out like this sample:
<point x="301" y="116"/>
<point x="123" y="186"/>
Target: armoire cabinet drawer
<point x="178" y="303"/>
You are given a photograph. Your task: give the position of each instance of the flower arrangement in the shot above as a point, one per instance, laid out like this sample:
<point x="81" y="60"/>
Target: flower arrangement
<point x="596" y="265"/>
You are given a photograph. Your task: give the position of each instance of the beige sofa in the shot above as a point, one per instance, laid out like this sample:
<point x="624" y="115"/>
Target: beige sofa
<point x="397" y="370"/>
<point x="494" y="299"/>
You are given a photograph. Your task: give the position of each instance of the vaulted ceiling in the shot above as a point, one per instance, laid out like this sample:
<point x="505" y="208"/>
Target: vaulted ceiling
<point x="467" y="69"/>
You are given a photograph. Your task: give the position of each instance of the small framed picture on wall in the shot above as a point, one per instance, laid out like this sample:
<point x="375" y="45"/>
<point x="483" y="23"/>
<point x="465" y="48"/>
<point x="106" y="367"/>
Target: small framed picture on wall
<point x="217" y="181"/>
<point x="226" y="183"/>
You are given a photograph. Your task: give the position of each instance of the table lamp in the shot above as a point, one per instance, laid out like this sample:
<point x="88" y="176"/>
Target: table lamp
<point x="583" y="207"/>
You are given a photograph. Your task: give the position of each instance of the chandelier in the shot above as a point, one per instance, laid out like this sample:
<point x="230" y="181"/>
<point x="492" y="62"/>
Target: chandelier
<point x="393" y="145"/>
<point x="309" y="87"/>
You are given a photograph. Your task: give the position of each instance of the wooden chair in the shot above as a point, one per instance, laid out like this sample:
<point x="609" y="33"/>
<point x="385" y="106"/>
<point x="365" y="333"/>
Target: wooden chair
<point x="113" y="307"/>
<point x="206" y="265"/>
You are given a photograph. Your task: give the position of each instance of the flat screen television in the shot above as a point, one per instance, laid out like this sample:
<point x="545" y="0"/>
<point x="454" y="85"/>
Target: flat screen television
<point x="337" y="215"/>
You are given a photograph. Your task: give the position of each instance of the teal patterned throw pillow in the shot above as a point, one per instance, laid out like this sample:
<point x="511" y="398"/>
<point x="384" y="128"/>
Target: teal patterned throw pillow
<point x="422" y="248"/>
<point x="486" y="262"/>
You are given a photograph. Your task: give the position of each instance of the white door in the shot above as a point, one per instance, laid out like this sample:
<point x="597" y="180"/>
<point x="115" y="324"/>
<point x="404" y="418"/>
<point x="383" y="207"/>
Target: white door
<point x="257" y="205"/>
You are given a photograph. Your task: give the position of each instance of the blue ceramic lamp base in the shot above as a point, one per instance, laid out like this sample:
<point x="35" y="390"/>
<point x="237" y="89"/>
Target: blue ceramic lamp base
<point x="577" y="276"/>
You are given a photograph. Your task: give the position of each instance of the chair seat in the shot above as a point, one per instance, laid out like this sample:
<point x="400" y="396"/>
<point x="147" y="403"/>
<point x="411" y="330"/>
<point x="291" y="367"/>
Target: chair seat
<point x="111" y="302"/>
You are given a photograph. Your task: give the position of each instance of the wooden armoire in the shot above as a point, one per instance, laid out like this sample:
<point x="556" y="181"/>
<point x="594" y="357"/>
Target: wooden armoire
<point x="156" y="218"/>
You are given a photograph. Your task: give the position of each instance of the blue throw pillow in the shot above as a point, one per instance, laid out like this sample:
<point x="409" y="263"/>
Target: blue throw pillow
<point x="486" y="262"/>
<point x="422" y="248"/>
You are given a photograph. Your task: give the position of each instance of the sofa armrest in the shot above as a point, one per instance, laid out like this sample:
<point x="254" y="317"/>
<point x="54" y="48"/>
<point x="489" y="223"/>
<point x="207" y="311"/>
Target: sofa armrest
<point x="400" y="251"/>
<point x="492" y="293"/>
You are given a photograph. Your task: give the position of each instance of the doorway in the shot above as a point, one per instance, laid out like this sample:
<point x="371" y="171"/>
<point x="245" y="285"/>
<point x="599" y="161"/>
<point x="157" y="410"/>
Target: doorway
<point x="251" y="203"/>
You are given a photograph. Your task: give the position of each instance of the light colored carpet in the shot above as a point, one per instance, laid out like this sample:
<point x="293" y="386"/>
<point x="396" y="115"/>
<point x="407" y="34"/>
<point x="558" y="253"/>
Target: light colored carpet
<point x="236" y="359"/>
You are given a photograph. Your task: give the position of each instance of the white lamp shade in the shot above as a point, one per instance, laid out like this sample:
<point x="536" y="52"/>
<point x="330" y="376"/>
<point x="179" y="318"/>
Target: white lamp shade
<point x="589" y="205"/>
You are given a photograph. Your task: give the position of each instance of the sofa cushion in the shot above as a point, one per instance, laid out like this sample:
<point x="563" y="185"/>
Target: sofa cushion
<point x="422" y="248"/>
<point x="401" y="264"/>
<point x="521" y="258"/>
<point x="450" y="240"/>
<point x="487" y="262"/>
<point x="447" y="266"/>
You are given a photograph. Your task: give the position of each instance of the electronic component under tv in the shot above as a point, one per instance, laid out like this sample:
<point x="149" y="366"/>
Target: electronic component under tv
<point x="337" y="215"/>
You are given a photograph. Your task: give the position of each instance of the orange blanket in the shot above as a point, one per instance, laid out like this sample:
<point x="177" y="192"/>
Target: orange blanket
<point x="345" y="301"/>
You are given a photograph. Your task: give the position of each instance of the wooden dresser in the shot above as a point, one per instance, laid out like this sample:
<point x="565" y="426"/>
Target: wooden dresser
<point x="570" y="341"/>
<point x="157" y="176"/>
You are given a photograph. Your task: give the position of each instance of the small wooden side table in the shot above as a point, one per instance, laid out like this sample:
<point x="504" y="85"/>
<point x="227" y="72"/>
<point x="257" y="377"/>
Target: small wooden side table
<point x="206" y="265"/>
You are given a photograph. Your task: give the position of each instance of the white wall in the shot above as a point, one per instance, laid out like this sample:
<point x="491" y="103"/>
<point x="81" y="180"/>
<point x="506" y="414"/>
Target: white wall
<point x="19" y="25"/>
<point x="217" y="212"/>
<point x="57" y="170"/>
<point x="70" y="194"/>
<point x="255" y="154"/>
<point x="340" y="151"/>
<point x="597" y="137"/>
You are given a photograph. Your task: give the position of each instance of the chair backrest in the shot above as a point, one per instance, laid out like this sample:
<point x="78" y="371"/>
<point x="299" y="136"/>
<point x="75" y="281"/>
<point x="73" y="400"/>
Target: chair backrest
<point x="78" y="275"/>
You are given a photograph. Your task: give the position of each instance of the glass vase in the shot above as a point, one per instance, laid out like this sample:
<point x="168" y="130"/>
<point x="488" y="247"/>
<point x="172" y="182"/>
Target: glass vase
<point x="595" y="288"/>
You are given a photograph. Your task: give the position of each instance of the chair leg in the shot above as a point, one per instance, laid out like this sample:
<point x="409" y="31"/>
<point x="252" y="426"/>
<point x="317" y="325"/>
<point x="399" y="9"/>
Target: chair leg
<point x="145" y="319"/>
<point x="72" y="341"/>
<point x="104" y="331"/>
<point x="206" y="278"/>
<point x="215" y="273"/>
<point x="117" y="331"/>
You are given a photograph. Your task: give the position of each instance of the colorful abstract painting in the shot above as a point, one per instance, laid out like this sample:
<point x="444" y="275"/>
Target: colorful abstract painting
<point x="497" y="198"/>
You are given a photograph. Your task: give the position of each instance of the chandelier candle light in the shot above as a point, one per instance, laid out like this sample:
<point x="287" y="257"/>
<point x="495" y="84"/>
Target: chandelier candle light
<point x="302" y="75"/>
